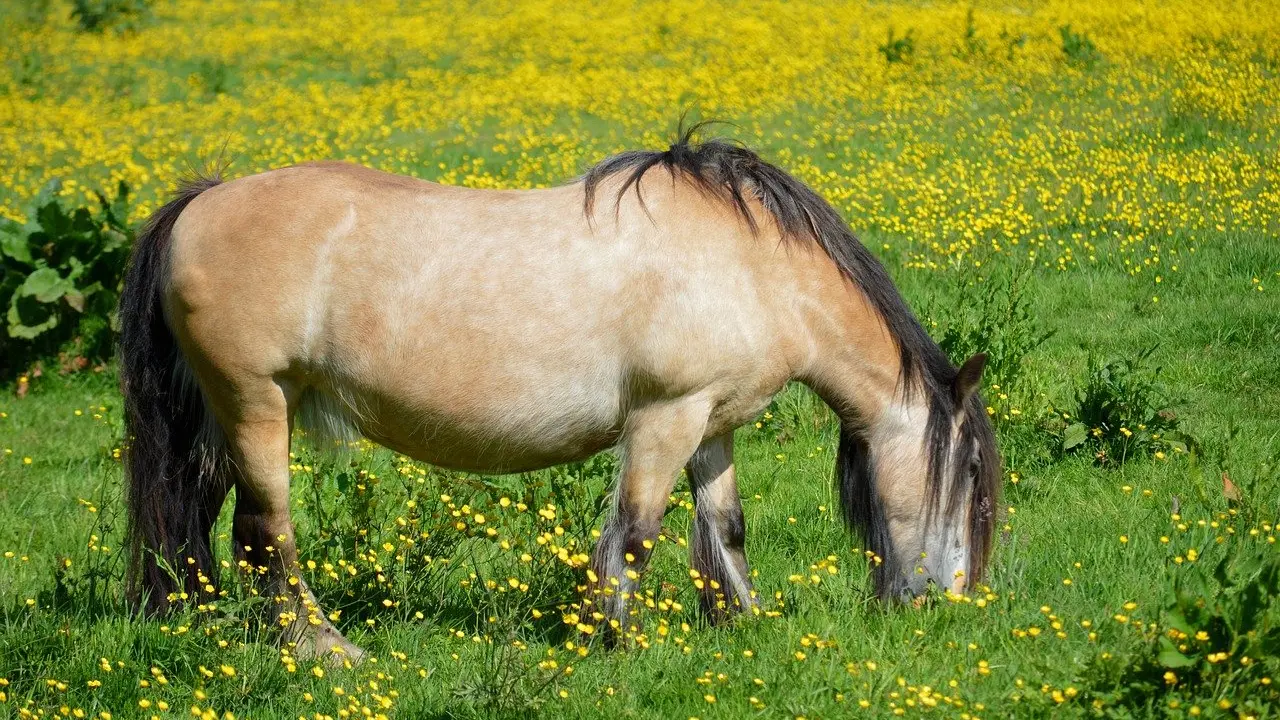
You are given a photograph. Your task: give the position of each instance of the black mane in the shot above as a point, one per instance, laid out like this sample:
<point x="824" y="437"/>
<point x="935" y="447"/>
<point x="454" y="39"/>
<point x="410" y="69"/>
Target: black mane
<point x="721" y="167"/>
<point x="730" y="171"/>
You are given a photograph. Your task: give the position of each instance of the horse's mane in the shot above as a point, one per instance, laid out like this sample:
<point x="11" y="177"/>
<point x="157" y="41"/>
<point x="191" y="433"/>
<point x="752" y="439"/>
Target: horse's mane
<point x="727" y="170"/>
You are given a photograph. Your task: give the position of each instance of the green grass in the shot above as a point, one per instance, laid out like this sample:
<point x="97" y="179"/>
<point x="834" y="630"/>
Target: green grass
<point x="476" y="652"/>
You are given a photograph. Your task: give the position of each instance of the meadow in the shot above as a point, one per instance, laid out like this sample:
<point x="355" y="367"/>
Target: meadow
<point x="1088" y="192"/>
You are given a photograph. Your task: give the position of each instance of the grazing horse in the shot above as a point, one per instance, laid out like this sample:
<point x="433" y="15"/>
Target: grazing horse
<point x="505" y="331"/>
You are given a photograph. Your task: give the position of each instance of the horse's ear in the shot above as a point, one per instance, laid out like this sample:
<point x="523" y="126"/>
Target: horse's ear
<point x="968" y="378"/>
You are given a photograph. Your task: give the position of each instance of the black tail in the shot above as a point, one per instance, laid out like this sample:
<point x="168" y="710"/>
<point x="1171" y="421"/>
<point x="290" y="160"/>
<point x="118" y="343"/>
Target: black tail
<point x="174" y="465"/>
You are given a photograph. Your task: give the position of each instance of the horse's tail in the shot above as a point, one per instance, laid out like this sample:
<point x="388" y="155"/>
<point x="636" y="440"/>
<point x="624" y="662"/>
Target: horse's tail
<point x="175" y="460"/>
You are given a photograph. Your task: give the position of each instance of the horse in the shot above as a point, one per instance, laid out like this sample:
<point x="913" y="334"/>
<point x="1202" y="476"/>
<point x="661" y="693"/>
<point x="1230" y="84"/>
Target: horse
<point x="500" y="331"/>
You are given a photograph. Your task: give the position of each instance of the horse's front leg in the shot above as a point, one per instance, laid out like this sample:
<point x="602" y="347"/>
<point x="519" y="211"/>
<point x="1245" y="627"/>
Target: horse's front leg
<point x="719" y="532"/>
<point x="657" y="441"/>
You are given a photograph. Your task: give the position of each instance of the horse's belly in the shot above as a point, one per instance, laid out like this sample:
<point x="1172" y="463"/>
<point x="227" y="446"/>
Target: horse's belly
<point x="450" y="446"/>
<point x="486" y="427"/>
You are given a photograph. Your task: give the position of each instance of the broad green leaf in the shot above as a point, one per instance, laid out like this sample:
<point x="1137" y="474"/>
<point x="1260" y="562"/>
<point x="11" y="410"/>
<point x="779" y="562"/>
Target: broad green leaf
<point x="45" y="285"/>
<point x="1175" y="659"/>
<point x="53" y="219"/>
<point x="1176" y="620"/>
<point x="13" y="244"/>
<point x="40" y="317"/>
<point x="10" y="227"/>
<point x="82" y="222"/>
<point x="1074" y="435"/>
<point x="1170" y="657"/>
<point x="77" y="269"/>
<point x="111" y="239"/>
<point x="49" y="193"/>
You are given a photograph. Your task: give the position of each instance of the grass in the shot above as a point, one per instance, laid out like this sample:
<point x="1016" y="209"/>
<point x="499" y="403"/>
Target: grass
<point x="1085" y="166"/>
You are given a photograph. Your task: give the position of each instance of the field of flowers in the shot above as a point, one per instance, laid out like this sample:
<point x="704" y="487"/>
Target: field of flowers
<point x="1089" y="192"/>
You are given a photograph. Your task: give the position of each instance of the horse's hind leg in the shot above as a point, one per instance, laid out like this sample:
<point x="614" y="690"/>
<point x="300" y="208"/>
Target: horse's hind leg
<point x="719" y="532"/>
<point x="656" y="443"/>
<point x="258" y="439"/>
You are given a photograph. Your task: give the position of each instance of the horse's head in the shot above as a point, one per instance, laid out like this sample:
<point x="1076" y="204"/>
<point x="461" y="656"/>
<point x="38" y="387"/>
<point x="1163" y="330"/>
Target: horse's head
<point x="921" y="483"/>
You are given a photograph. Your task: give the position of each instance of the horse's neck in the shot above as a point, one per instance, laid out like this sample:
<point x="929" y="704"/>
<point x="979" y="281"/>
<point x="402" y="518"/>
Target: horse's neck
<point x="856" y="365"/>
